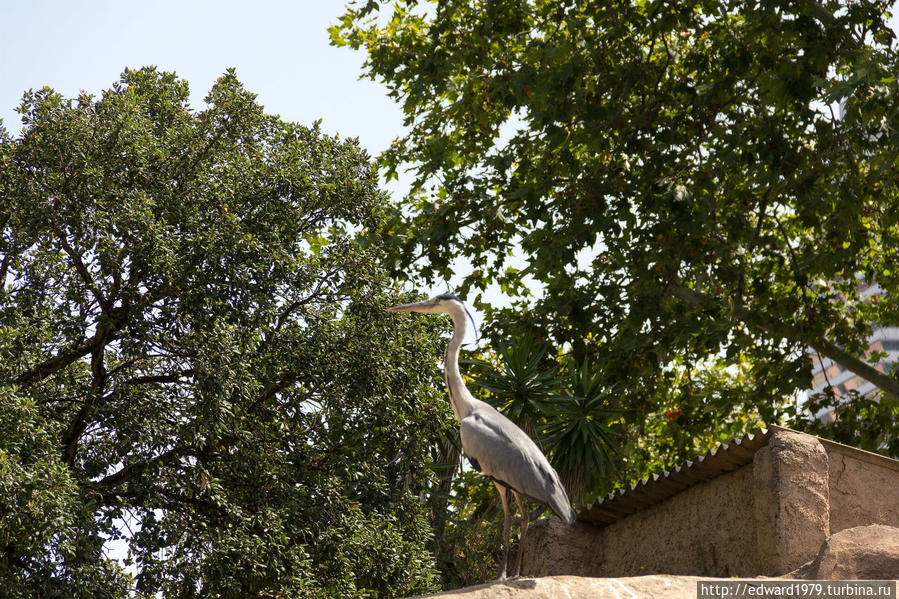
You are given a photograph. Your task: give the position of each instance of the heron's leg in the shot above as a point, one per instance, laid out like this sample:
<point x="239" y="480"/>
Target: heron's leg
<point x="507" y="527"/>
<point x="524" y="529"/>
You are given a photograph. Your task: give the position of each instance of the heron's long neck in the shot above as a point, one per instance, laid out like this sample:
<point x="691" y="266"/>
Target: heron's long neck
<point x="460" y="398"/>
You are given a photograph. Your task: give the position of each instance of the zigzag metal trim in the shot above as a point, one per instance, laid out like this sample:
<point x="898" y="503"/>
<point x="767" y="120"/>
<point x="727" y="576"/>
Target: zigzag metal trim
<point x="727" y="457"/>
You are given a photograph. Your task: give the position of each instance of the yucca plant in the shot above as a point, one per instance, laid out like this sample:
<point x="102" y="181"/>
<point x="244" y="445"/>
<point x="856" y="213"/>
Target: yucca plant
<point x="577" y="432"/>
<point x="523" y="382"/>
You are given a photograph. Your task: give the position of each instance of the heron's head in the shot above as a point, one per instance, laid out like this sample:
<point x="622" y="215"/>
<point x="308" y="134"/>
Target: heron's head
<point x="445" y="303"/>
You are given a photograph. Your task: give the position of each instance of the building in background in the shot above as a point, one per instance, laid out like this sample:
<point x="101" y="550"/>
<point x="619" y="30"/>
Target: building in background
<point x="826" y="372"/>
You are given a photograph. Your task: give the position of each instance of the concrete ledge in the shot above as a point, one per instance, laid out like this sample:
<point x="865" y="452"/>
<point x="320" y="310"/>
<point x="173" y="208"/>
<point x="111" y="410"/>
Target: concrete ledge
<point x="861" y="553"/>
<point x="575" y="587"/>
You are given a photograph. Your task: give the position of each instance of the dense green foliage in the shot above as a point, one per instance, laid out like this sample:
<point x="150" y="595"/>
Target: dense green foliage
<point x="40" y="515"/>
<point x="683" y="194"/>
<point x="194" y="357"/>
<point x="595" y="444"/>
<point x="572" y="418"/>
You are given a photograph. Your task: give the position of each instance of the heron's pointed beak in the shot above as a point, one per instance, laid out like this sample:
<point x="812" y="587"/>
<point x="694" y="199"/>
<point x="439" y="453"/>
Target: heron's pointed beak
<point x="416" y="307"/>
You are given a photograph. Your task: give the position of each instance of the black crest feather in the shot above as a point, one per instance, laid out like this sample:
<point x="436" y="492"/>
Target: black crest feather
<point x="452" y="296"/>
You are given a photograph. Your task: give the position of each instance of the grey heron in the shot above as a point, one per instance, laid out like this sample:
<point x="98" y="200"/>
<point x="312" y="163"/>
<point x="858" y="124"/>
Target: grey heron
<point x="495" y="445"/>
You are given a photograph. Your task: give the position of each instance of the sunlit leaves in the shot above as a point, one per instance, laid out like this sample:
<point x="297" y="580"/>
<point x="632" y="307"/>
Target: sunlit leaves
<point x="858" y="420"/>
<point x="196" y="331"/>
<point x="579" y="433"/>
<point x="521" y="382"/>
<point x="639" y="147"/>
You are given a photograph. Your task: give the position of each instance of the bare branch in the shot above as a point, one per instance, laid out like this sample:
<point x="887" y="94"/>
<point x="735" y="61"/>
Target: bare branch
<point x="82" y="270"/>
<point x="4" y="269"/>
<point x="287" y="379"/>
<point x="159" y="378"/>
<point x="128" y="472"/>
<point x="64" y="358"/>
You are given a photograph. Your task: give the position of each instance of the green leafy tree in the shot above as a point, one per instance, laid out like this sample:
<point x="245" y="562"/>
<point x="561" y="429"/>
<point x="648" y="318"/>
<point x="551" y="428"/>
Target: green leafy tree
<point x="579" y="434"/>
<point x="471" y="539"/>
<point x="686" y="182"/>
<point x="570" y="419"/>
<point x="40" y="514"/>
<point x="859" y="420"/>
<point x="193" y="346"/>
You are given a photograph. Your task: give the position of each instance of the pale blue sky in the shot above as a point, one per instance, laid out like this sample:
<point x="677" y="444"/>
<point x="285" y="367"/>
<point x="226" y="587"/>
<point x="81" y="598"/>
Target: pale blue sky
<point x="279" y="48"/>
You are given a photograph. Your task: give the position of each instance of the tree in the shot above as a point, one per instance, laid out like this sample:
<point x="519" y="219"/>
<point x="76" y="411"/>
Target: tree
<point x="195" y="360"/>
<point x="685" y="182"/>
<point x="39" y="514"/>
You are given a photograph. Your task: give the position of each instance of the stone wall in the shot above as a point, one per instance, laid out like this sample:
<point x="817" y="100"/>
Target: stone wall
<point x="701" y="530"/>
<point x="790" y="498"/>
<point x="861" y="492"/>
<point x="764" y="519"/>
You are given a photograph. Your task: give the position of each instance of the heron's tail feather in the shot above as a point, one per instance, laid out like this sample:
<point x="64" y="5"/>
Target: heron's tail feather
<point x="565" y="512"/>
<point x="559" y="504"/>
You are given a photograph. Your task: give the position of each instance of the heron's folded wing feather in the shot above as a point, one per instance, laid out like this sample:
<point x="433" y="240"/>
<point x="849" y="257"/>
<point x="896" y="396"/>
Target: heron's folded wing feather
<point x="505" y="453"/>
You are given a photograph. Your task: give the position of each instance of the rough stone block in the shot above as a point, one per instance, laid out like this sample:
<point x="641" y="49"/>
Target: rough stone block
<point x="790" y="501"/>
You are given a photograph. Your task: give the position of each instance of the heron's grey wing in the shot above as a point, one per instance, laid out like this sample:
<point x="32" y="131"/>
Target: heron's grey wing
<point x="505" y="453"/>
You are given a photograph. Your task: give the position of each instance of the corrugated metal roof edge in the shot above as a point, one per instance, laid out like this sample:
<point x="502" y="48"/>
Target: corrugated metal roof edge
<point x="727" y="457"/>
